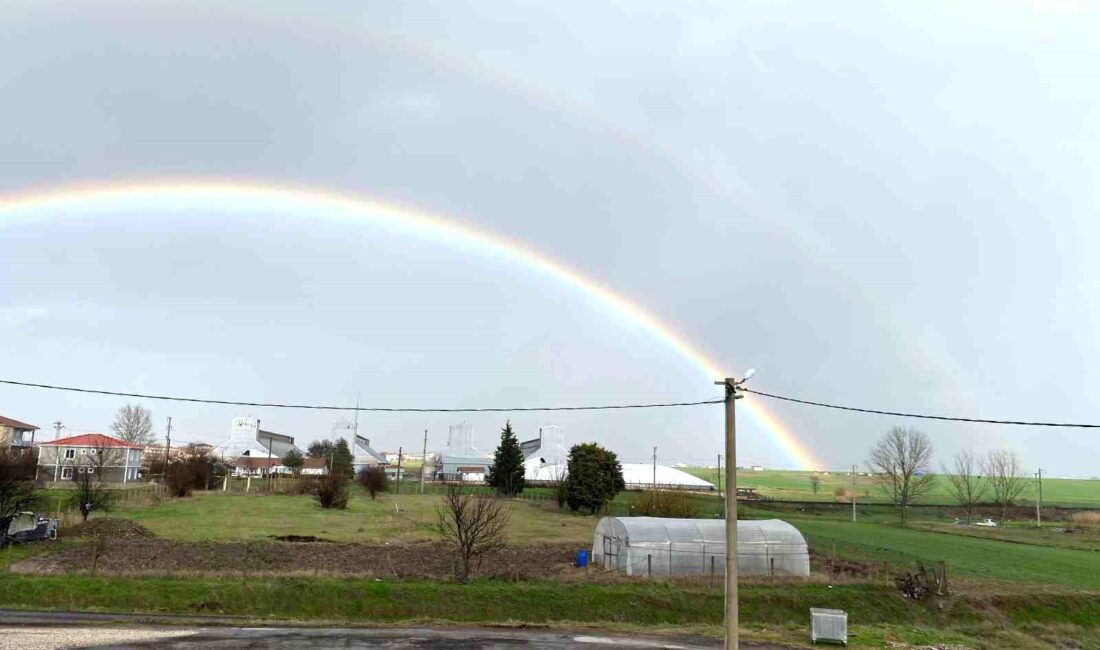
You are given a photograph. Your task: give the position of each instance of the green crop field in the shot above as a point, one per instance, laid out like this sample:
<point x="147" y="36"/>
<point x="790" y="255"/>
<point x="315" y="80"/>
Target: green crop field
<point x="795" y="486"/>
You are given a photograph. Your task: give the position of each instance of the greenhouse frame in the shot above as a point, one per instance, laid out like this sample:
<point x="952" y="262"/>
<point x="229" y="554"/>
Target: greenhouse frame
<point x="655" y="546"/>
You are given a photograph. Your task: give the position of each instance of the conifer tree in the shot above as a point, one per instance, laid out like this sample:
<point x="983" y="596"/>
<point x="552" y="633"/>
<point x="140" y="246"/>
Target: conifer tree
<point x="506" y="472"/>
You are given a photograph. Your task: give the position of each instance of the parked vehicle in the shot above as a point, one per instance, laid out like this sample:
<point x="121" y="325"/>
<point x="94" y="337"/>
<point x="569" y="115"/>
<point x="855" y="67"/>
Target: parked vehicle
<point x="988" y="523"/>
<point x="31" y="527"/>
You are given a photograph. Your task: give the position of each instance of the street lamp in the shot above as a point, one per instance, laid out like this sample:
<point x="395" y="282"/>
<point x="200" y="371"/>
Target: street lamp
<point x="733" y="393"/>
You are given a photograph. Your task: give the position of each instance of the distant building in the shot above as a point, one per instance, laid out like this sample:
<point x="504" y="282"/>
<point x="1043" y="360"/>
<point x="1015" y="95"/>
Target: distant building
<point x="16" y="435"/>
<point x="112" y="459"/>
<point x="460" y="460"/>
<point x="257" y="466"/>
<point x="246" y="438"/>
<point x="365" y="456"/>
<point x="314" y="467"/>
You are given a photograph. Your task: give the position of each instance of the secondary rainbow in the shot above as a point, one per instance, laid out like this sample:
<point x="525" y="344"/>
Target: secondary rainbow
<point x="396" y="217"/>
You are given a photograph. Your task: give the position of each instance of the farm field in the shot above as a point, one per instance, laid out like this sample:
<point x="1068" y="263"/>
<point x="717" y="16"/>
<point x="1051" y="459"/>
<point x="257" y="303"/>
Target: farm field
<point x="795" y="486"/>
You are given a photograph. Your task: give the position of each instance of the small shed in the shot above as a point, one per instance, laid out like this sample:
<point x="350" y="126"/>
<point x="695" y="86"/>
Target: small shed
<point x="655" y="546"/>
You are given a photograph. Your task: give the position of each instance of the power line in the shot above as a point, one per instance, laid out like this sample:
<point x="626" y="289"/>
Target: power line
<point x="375" y="409"/>
<point x="922" y="416"/>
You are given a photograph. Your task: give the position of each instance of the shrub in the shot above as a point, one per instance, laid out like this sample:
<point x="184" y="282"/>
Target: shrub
<point x="373" y="479"/>
<point x="658" y="503"/>
<point x="331" y="491"/>
<point x="191" y="472"/>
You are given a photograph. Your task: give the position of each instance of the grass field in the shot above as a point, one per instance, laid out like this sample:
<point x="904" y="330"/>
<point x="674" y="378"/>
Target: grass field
<point x="795" y="486"/>
<point x="1014" y="587"/>
<point x="392" y="518"/>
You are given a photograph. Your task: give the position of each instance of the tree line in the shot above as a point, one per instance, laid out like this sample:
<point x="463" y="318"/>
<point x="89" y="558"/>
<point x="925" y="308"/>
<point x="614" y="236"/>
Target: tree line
<point x="901" y="463"/>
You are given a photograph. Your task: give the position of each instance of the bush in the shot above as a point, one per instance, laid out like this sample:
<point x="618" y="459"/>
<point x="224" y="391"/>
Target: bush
<point x="191" y="472"/>
<point x="373" y="479"/>
<point x="331" y="492"/>
<point x="657" y="503"/>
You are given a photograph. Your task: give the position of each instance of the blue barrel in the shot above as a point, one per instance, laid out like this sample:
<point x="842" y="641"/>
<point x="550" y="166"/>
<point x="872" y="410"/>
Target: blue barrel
<point x="582" y="558"/>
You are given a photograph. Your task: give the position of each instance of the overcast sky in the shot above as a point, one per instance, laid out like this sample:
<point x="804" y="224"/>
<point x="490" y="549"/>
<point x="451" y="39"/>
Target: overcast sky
<point x="886" y="205"/>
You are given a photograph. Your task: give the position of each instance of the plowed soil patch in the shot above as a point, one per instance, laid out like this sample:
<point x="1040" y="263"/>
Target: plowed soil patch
<point x="418" y="560"/>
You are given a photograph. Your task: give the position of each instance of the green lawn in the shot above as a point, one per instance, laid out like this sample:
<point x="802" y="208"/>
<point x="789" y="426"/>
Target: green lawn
<point x="795" y="486"/>
<point x="389" y="519"/>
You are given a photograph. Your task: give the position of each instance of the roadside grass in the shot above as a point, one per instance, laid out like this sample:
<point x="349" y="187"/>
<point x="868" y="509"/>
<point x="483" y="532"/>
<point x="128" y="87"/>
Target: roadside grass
<point x="392" y="518"/>
<point x="877" y="613"/>
<point x="795" y="486"/>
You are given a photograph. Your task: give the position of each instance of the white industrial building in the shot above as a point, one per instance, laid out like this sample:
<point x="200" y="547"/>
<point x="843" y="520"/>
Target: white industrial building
<point x="655" y="546"/>
<point x="460" y="460"/>
<point x="545" y="460"/>
<point x="246" y="438"/>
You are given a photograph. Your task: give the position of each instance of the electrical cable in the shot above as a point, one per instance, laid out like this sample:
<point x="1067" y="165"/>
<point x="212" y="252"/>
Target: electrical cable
<point x="921" y="416"/>
<point x="374" y="409"/>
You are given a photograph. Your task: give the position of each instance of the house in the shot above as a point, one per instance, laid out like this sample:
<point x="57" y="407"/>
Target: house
<point x="16" y="435"/>
<point x="258" y="466"/>
<point x="314" y="466"/>
<point x="112" y="459"/>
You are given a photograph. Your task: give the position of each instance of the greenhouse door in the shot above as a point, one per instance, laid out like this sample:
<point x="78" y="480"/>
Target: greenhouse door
<point x="611" y="547"/>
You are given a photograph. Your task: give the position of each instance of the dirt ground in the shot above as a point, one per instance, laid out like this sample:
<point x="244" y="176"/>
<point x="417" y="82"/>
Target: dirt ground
<point x="151" y="556"/>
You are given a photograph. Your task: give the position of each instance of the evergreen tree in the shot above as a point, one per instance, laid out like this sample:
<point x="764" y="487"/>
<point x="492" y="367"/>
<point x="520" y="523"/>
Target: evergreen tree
<point x="594" y="477"/>
<point x="506" y="472"/>
<point x="342" y="461"/>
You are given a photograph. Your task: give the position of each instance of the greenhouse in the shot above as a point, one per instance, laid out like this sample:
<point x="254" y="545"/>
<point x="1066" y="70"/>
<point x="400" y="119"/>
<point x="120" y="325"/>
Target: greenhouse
<point x="654" y="546"/>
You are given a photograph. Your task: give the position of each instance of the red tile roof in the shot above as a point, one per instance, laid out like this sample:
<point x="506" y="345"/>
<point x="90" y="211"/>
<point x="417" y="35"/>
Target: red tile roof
<point x="253" y="462"/>
<point x="90" y="440"/>
<point x="16" y="424"/>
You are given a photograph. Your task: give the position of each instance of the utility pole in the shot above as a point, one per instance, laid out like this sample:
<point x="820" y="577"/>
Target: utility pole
<point x="398" y="489"/>
<point x="854" y="494"/>
<point x="57" y="427"/>
<point x="719" y="472"/>
<point x="731" y="386"/>
<point x="167" y="446"/>
<point x="654" y="468"/>
<point x="424" y="461"/>
<point x="1039" y="503"/>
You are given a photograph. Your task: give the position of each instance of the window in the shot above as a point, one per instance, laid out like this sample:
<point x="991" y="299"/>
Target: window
<point x="79" y="470"/>
<point x="67" y="472"/>
<point x="70" y="453"/>
<point x="91" y="470"/>
<point x="83" y="452"/>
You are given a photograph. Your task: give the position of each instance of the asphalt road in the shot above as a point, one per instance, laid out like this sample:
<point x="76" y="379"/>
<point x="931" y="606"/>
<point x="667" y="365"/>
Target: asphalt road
<point x="49" y="630"/>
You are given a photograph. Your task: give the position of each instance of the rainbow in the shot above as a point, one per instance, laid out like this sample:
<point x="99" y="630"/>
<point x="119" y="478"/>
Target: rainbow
<point x="395" y="217"/>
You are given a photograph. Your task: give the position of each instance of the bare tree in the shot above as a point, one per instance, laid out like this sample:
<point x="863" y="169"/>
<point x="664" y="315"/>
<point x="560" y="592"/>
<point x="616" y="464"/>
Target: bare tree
<point x="17" y="492"/>
<point x="967" y="481"/>
<point x="90" y="492"/>
<point x="134" y="423"/>
<point x="473" y="524"/>
<point x="815" y="482"/>
<point x="1006" y="477"/>
<point x="901" y="462"/>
